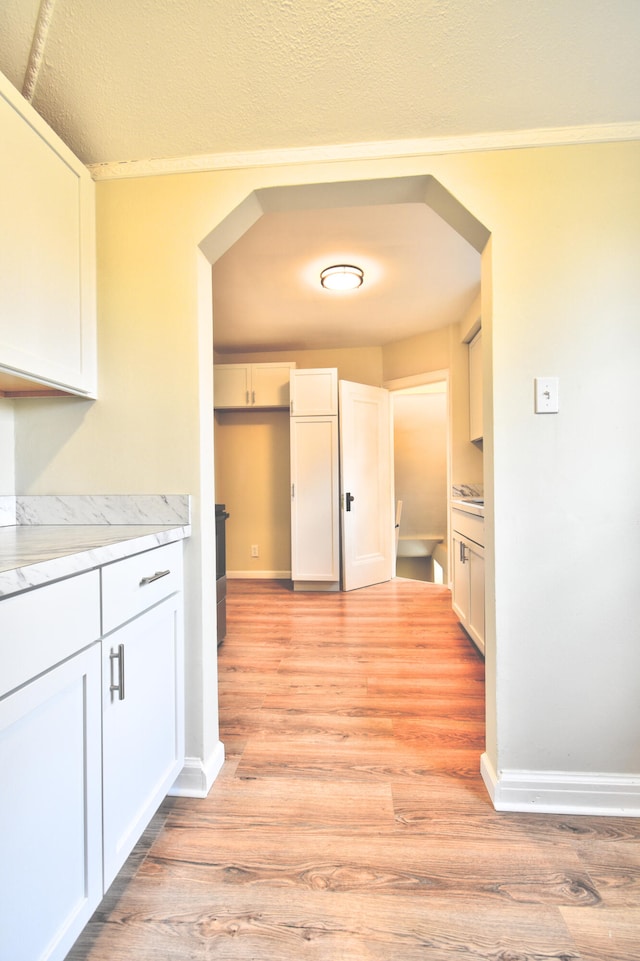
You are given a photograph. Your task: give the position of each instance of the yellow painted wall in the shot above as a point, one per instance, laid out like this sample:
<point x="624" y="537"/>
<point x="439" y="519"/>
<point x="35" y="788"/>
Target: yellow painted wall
<point x="562" y="652"/>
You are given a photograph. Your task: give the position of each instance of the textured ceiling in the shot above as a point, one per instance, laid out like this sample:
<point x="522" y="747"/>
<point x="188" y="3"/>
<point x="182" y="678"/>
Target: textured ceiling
<point x="138" y="79"/>
<point x="420" y="274"/>
<point x="143" y="80"/>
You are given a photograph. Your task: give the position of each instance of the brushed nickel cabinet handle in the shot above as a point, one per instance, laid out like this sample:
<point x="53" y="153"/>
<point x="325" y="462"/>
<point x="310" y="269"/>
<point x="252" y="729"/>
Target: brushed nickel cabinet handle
<point x="154" y="577"/>
<point x="119" y="657"/>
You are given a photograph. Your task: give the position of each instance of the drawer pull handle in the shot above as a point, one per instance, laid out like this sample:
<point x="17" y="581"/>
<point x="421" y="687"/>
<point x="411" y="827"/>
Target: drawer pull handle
<point x="119" y="657"/>
<point x="154" y="577"/>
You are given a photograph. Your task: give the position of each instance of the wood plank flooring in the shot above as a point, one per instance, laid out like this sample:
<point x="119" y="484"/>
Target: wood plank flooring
<point x="350" y="822"/>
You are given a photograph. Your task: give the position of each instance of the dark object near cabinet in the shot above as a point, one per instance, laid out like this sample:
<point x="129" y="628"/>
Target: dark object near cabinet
<point x="221" y="571"/>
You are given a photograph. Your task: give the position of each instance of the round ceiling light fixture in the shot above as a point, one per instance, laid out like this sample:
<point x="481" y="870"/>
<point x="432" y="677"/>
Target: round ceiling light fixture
<point x="342" y="277"/>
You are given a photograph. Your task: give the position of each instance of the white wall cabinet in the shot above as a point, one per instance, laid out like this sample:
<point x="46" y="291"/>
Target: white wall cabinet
<point x="143" y="705"/>
<point x="242" y="386"/>
<point x="314" y="392"/>
<point x="50" y="757"/>
<point x="476" y="429"/>
<point x="468" y="573"/>
<point x="315" y="517"/>
<point x="47" y="258"/>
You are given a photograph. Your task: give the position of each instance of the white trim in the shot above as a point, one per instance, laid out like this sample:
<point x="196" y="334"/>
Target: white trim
<point x="259" y="575"/>
<point x="197" y="776"/>
<point x="562" y="792"/>
<point x="379" y="150"/>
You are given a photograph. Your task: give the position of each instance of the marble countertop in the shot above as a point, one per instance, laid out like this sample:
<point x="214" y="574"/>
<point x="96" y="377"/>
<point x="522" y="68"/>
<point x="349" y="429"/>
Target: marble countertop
<point x="467" y="505"/>
<point x="33" y="555"/>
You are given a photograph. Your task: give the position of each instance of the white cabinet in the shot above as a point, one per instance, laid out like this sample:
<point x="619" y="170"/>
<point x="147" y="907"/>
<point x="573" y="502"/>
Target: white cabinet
<point x="315" y="520"/>
<point x="91" y="739"/>
<point x="314" y="392"/>
<point x="468" y="573"/>
<point x="475" y="388"/>
<point x="47" y="257"/>
<point x="50" y="758"/>
<point x="241" y="386"/>
<point x="143" y="704"/>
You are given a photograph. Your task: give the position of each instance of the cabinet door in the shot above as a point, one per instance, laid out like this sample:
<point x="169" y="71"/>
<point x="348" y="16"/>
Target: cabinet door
<point x="270" y="385"/>
<point x="50" y="810"/>
<point x="315" y="554"/>
<point x="460" y="593"/>
<point x="231" y="385"/>
<point x="314" y="392"/>
<point x="475" y="388"/>
<point x="47" y="254"/>
<point x="475" y="564"/>
<point x="143" y="732"/>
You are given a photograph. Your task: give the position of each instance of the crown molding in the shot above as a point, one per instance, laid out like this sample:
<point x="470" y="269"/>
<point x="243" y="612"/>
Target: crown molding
<point x="379" y="150"/>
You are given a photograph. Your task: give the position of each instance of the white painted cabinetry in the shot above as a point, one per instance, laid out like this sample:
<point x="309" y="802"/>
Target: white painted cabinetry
<point x="50" y="758"/>
<point x="143" y="705"/>
<point x="47" y="257"/>
<point x="241" y="386"/>
<point x="468" y="573"/>
<point x="91" y="739"/>
<point x="315" y="520"/>
<point x="476" y="429"/>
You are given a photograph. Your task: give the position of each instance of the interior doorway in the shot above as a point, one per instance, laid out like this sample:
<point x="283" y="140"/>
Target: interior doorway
<point x="420" y="412"/>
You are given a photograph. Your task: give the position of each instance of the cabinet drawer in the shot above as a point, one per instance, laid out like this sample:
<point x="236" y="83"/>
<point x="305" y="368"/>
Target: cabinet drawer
<point x="40" y="628"/>
<point x="132" y="585"/>
<point x="468" y="525"/>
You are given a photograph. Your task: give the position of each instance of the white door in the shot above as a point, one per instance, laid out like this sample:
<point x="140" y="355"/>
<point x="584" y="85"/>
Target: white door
<point x="366" y="494"/>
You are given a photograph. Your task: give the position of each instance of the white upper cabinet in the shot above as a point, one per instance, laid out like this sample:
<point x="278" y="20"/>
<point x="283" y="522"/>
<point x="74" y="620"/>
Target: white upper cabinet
<point x="47" y="257"/>
<point x="314" y="392"/>
<point x="475" y="388"/>
<point x="242" y="386"/>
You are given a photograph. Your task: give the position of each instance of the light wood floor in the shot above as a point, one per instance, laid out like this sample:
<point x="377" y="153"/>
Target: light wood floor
<point x="350" y="822"/>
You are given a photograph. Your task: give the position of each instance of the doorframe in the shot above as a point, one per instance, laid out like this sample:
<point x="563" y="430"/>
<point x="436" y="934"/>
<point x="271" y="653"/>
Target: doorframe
<point x="421" y="380"/>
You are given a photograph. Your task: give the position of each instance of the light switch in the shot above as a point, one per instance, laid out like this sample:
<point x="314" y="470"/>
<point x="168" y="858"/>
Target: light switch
<point x="546" y="395"/>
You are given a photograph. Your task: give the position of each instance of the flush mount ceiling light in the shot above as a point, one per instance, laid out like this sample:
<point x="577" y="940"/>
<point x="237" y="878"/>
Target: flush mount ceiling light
<point x="342" y="277"/>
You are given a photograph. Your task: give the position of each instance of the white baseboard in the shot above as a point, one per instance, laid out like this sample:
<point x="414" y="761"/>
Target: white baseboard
<point x="197" y="776"/>
<point x="259" y="575"/>
<point x="562" y="792"/>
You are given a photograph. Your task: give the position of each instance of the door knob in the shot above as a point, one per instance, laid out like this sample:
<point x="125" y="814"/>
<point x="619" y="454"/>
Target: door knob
<point x="348" y="498"/>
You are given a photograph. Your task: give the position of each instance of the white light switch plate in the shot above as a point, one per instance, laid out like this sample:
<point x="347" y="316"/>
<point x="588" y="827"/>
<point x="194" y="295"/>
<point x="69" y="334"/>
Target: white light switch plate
<point x="546" y="395"/>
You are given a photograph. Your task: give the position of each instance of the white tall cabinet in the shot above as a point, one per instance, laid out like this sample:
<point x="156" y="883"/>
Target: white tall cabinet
<point x="315" y="518"/>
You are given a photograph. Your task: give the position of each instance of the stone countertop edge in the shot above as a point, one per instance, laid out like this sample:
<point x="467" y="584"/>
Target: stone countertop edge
<point x="461" y="505"/>
<point x="38" y="555"/>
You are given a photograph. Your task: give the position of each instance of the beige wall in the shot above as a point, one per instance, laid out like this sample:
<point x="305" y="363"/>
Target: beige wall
<point x="252" y="479"/>
<point x="437" y="350"/>
<point x="563" y="660"/>
<point x="7" y="447"/>
<point x="361" y="364"/>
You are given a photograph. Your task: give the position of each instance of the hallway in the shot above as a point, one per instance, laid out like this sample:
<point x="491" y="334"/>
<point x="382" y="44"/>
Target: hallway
<point x="350" y="822"/>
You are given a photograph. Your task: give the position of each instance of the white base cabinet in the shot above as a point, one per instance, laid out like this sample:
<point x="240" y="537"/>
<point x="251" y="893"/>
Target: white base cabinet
<point x="91" y="740"/>
<point x="142" y="734"/>
<point x="468" y="574"/>
<point x="50" y="800"/>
